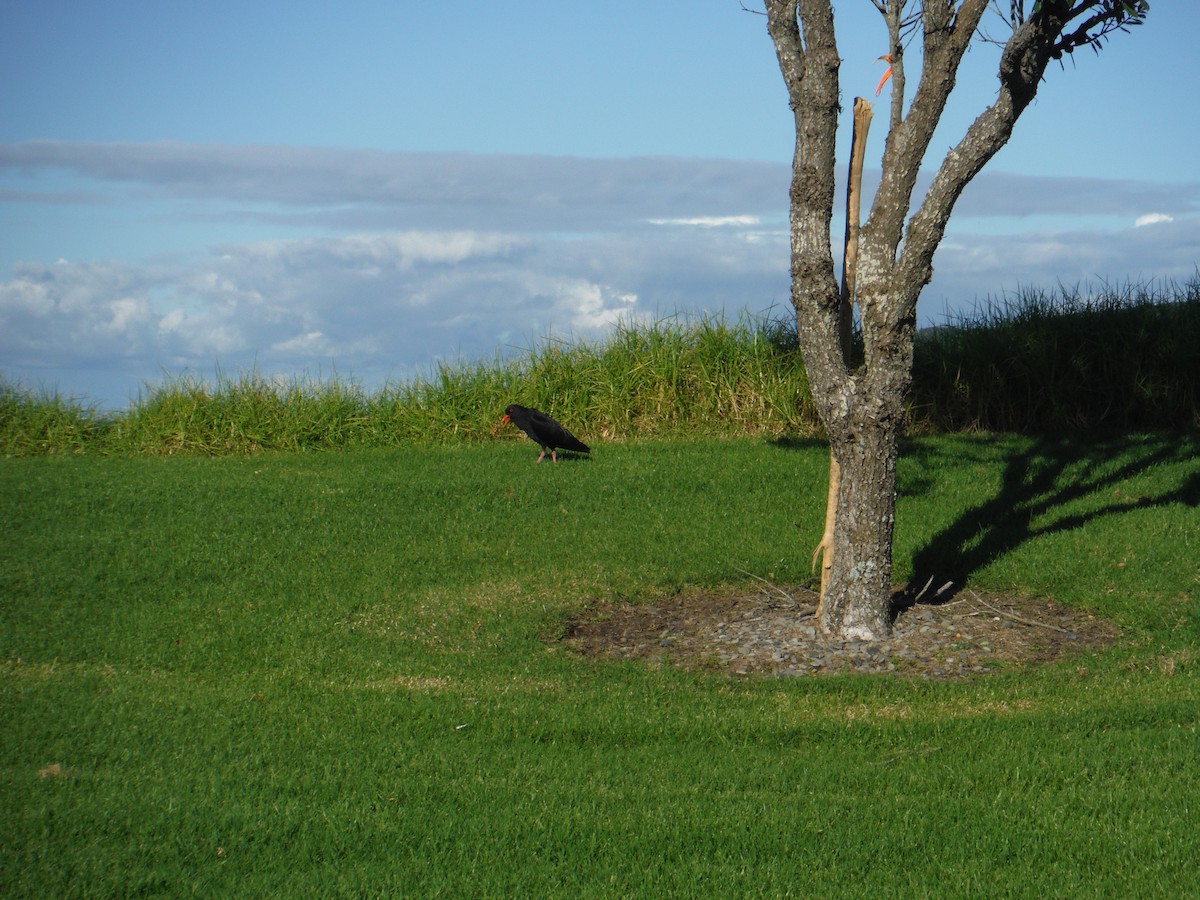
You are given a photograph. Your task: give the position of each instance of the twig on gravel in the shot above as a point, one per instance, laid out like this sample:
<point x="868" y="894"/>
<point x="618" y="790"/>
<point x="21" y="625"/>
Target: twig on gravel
<point x="1016" y="618"/>
<point x="788" y="598"/>
<point x="945" y="587"/>
<point x="921" y="593"/>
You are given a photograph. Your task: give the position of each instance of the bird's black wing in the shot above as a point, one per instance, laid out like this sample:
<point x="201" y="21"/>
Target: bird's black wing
<point x="550" y="433"/>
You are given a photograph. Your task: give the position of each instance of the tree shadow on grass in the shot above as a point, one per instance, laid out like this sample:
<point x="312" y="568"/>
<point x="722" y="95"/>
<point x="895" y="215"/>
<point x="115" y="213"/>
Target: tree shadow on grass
<point x="789" y="442"/>
<point x="1050" y="475"/>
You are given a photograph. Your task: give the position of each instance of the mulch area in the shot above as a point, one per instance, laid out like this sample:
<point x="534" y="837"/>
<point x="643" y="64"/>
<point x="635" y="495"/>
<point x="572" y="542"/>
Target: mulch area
<point x="771" y="631"/>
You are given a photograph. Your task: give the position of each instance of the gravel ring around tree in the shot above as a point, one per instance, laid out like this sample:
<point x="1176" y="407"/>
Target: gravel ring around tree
<point x="771" y="631"/>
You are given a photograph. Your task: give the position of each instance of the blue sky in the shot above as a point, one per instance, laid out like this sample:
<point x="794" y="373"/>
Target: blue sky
<point x="368" y="188"/>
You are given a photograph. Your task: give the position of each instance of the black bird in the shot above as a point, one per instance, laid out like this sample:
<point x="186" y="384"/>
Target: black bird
<point x="544" y="430"/>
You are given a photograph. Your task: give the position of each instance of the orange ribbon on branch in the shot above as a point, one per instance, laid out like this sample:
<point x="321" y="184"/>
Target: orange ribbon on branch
<point x="886" y="75"/>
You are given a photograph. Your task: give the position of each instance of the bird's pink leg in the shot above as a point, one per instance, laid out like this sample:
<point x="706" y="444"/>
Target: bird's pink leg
<point x="541" y="456"/>
<point x="553" y="456"/>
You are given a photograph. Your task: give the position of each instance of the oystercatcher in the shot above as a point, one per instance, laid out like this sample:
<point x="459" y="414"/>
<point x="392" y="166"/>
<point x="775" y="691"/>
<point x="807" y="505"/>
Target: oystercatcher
<point x="547" y="433"/>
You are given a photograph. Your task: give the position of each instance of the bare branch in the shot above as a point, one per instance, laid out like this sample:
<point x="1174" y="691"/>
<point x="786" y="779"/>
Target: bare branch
<point x="896" y="57"/>
<point x="910" y="136"/>
<point x="803" y="34"/>
<point x="1022" y="67"/>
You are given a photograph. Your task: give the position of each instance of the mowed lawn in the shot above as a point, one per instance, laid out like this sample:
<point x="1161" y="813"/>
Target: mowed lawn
<point x="338" y="674"/>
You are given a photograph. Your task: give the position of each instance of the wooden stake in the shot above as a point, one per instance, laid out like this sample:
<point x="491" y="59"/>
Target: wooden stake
<point x="824" y="549"/>
<point x="862" y="124"/>
<point x="858" y="152"/>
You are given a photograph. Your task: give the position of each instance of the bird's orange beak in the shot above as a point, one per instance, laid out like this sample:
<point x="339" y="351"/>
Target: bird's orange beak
<point x="887" y="58"/>
<point x="504" y="420"/>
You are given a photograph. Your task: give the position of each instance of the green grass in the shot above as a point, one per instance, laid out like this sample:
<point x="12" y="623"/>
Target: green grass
<point x="1123" y="359"/>
<point x="336" y="674"/>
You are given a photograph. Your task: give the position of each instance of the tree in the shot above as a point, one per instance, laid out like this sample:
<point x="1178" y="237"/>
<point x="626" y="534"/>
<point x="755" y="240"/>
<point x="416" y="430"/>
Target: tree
<point x="861" y="401"/>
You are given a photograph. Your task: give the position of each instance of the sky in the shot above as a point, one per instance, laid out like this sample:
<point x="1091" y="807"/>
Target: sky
<point x="369" y="189"/>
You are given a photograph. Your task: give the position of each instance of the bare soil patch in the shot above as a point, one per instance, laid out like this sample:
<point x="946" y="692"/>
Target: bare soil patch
<point x="771" y="631"/>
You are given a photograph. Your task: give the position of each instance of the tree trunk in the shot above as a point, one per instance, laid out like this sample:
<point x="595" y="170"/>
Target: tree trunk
<point x="861" y="405"/>
<point x="857" y="601"/>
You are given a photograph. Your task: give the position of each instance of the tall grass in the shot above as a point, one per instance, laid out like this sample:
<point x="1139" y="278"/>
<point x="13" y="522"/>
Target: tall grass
<point x="1037" y="361"/>
<point x="704" y="375"/>
<point x="1123" y="357"/>
<point x="43" y="423"/>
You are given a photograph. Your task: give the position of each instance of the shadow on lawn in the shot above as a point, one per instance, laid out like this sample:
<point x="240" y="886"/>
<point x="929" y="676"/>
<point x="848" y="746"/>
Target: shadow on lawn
<point x="1051" y="474"/>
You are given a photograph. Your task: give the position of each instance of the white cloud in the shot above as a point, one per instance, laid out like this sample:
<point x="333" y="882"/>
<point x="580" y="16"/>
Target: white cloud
<point x="1152" y="219"/>
<point x="592" y="307"/>
<point x="310" y="342"/>
<point x="376" y="264"/>
<point x="127" y="313"/>
<point x="709" y="221"/>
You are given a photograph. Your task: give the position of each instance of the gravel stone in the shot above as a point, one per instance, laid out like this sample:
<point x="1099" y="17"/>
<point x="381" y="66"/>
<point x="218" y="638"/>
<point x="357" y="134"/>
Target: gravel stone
<point x="746" y="632"/>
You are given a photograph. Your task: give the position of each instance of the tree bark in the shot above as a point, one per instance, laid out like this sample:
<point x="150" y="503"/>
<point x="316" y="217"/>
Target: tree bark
<point x="861" y="566"/>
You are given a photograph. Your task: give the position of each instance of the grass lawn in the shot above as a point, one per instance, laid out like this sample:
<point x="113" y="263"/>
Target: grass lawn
<point x="322" y="674"/>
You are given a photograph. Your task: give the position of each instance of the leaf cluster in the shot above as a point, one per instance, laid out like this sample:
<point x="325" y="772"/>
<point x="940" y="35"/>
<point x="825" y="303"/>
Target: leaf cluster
<point x="1098" y="19"/>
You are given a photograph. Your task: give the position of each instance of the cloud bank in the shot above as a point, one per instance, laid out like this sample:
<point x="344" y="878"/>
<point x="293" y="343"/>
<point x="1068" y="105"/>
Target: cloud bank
<point x="376" y="266"/>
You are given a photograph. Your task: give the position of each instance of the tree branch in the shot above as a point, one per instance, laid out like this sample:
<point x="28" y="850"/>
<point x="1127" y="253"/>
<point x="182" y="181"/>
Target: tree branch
<point x="1022" y="67"/>
<point x="910" y="137"/>
<point x="892" y="16"/>
<point x="803" y="34"/>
